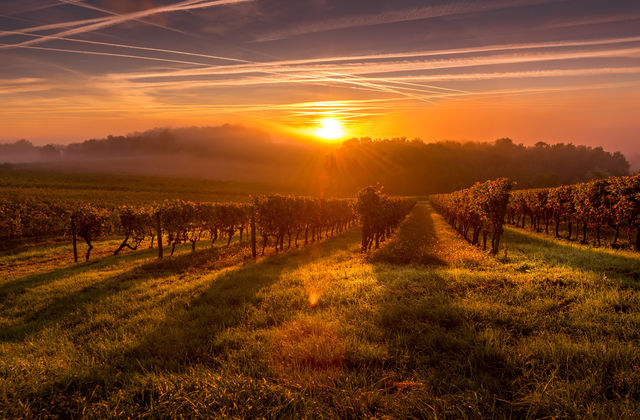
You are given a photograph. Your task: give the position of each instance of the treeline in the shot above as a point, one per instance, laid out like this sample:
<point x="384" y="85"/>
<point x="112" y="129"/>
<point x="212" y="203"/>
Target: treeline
<point x="592" y="207"/>
<point x="405" y="167"/>
<point x="226" y="152"/>
<point x="225" y="141"/>
<point x="480" y="209"/>
<point x="25" y="151"/>
<point x="412" y="167"/>
<point x="230" y="141"/>
<point x="379" y="215"/>
<point x="173" y="222"/>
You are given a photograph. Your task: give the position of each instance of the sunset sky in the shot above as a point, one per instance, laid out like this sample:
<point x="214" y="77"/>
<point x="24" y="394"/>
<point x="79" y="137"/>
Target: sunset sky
<point x="532" y="70"/>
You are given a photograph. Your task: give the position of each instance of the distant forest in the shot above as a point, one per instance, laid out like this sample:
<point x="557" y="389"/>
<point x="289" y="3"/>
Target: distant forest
<point x="403" y="166"/>
<point x="226" y="141"/>
<point x="410" y="167"/>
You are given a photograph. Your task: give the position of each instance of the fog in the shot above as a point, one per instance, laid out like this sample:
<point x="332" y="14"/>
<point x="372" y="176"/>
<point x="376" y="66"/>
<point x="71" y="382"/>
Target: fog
<point x="237" y="153"/>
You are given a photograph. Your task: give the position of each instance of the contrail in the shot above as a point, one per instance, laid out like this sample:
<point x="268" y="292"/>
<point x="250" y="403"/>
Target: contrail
<point x="519" y="74"/>
<point x="80" y="22"/>
<point x="392" y="66"/>
<point x="105" y="22"/>
<point x="262" y="66"/>
<point x="139" y="57"/>
<point x="133" y="47"/>
<point x="319" y="77"/>
<point x="81" y="3"/>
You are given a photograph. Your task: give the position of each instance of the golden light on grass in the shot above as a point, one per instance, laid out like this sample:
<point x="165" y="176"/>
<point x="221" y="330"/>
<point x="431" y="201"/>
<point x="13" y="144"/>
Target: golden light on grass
<point x="315" y="283"/>
<point x="307" y="353"/>
<point x="330" y="129"/>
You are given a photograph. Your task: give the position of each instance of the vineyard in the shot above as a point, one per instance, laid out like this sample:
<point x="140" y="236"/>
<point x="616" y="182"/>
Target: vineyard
<point x="269" y="209"/>
<point x="593" y="207"/>
<point x="174" y="222"/>
<point x="609" y="205"/>
<point x="37" y="206"/>
<point x="272" y="218"/>
<point x="604" y="207"/>
<point x="287" y="306"/>
<point x="379" y="215"/>
<point x="479" y="209"/>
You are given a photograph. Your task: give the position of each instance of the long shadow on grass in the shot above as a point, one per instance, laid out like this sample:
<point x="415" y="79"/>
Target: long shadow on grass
<point x="64" y="307"/>
<point x="428" y="336"/>
<point x="414" y="241"/>
<point x="186" y="337"/>
<point x="557" y="253"/>
<point x="430" y="341"/>
<point x="97" y="263"/>
<point x="189" y="335"/>
<point x="33" y="280"/>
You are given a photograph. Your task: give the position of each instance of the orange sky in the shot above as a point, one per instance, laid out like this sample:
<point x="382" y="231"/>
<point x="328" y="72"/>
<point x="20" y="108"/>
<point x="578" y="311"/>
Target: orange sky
<point x="598" y="117"/>
<point x="532" y="70"/>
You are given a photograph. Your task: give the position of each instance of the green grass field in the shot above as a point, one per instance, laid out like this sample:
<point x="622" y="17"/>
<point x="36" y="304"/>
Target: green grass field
<point x="426" y="327"/>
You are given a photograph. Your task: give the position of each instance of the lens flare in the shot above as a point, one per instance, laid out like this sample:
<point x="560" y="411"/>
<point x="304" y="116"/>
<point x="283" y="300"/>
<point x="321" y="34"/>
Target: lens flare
<point x="313" y="298"/>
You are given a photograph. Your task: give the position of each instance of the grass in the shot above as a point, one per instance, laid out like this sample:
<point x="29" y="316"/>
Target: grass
<point x="426" y="327"/>
<point x="111" y="189"/>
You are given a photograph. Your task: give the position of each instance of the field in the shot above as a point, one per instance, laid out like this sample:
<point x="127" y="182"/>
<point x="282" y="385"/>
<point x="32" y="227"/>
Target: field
<point x="20" y="183"/>
<point x="428" y="327"/>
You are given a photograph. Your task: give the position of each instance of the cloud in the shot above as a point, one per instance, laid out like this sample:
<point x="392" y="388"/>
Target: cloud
<point x="592" y="20"/>
<point x="291" y="82"/>
<point x="20" y="80"/>
<point x="126" y="6"/>
<point x="518" y="74"/>
<point x="395" y="16"/>
<point x="372" y="63"/>
<point x="89" y="25"/>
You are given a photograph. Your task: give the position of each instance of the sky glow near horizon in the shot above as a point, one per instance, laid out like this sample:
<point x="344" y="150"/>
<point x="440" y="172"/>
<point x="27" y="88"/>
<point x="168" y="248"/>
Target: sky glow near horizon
<point x="532" y="70"/>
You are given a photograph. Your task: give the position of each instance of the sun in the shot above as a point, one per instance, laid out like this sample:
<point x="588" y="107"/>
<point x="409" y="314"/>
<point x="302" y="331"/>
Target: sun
<point x="330" y="129"/>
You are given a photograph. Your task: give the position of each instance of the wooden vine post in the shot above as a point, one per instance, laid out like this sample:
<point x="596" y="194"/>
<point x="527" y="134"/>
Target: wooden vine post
<point x="159" y="233"/>
<point x="253" y="229"/>
<point x="74" y="238"/>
